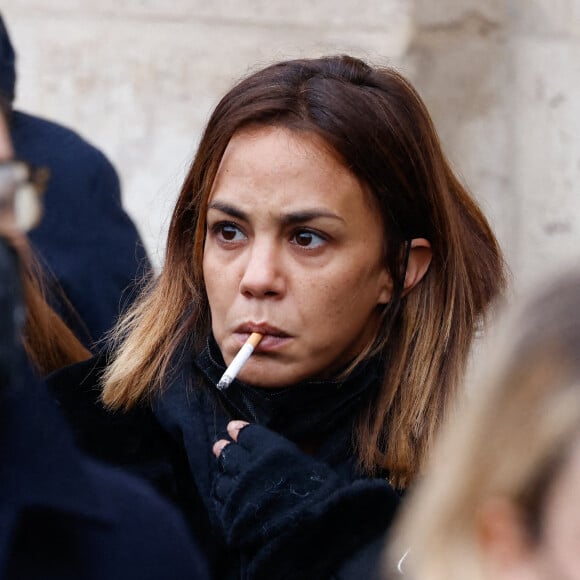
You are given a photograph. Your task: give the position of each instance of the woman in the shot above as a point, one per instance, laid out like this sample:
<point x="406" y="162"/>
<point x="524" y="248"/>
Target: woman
<point x="48" y="341"/>
<point x="320" y="212"/>
<point x="501" y="498"/>
<point x="61" y="515"/>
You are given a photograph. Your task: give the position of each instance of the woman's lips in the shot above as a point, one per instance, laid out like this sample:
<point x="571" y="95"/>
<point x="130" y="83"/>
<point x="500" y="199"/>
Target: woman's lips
<point x="271" y="339"/>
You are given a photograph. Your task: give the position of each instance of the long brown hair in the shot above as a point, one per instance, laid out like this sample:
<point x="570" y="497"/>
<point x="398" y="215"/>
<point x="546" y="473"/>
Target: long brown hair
<point x="49" y="343"/>
<point x="378" y="125"/>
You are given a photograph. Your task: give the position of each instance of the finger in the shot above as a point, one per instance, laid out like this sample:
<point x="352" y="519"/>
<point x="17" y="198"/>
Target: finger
<point x="232" y="459"/>
<point x="234" y="427"/>
<point x="218" y="446"/>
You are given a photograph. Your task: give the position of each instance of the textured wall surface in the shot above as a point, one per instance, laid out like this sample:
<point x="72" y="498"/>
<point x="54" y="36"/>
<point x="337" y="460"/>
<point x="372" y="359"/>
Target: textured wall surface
<point x="546" y="171"/>
<point x="501" y="77"/>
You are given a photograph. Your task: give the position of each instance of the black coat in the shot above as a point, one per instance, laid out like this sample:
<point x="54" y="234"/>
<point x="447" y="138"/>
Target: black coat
<point x="64" y="516"/>
<point x="269" y="510"/>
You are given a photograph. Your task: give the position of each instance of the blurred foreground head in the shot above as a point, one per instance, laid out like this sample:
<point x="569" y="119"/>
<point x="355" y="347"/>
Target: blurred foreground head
<point x="48" y="341"/>
<point x="501" y="500"/>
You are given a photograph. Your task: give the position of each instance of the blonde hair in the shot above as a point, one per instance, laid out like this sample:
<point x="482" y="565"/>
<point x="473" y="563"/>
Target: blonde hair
<point x="389" y="142"/>
<point x="509" y="441"/>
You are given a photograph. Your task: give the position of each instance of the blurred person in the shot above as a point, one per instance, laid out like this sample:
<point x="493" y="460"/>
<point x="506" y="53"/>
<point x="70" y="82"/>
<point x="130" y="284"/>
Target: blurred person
<point x="321" y="213"/>
<point x="500" y="500"/>
<point x="86" y="242"/>
<point x="62" y="515"/>
<point x="48" y="342"/>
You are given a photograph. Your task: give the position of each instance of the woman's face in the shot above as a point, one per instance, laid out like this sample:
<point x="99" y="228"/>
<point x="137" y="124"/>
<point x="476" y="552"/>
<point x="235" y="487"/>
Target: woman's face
<point x="294" y="250"/>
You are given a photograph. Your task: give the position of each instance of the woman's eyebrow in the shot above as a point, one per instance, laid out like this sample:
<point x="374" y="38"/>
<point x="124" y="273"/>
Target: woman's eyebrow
<point x="308" y="215"/>
<point x="228" y="209"/>
<point x="289" y="218"/>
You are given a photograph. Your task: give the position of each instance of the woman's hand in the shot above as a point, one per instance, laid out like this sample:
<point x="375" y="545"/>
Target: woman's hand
<point x="266" y="483"/>
<point x="233" y="430"/>
<point x="288" y="513"/>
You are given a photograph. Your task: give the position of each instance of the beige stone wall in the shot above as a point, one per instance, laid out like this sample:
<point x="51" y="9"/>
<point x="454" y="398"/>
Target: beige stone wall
<point x="138" y="78"/>
<point x="461" y="68"/>
<point x="546" y="127"/>
<point x="502" y="79"/>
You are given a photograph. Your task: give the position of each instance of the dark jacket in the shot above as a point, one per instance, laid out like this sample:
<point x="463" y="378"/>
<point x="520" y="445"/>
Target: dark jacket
<point x="86" y="241"/>
<point x="63" y="516"/>
<point x="268" y="510"/>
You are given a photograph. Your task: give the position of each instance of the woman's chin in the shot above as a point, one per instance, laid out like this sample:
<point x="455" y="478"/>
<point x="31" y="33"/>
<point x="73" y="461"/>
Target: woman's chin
<point x="270" y="376"/>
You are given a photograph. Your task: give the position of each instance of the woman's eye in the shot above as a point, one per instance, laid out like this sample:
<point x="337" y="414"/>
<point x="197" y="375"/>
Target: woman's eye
<point x="307" y="239"/>
<point x="228" y="232"/>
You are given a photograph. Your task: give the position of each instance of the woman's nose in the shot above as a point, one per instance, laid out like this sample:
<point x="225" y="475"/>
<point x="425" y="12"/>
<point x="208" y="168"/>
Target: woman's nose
<point x="263" y="276"/>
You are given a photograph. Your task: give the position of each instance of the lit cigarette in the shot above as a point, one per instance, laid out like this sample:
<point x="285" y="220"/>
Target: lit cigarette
<point x="240" y="360"/>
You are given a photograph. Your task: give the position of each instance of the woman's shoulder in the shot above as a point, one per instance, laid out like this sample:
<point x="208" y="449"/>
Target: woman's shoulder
<point x="133" y="439"/>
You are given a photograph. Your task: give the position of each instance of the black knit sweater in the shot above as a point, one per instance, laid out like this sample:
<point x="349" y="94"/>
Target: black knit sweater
<point x="267" y="509"/>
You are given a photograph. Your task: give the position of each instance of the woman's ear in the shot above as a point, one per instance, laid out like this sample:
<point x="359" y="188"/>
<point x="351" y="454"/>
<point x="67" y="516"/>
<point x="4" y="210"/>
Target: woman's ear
<point x="420" y="256"/>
